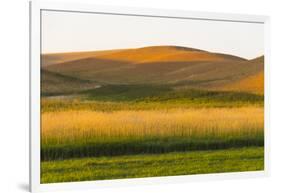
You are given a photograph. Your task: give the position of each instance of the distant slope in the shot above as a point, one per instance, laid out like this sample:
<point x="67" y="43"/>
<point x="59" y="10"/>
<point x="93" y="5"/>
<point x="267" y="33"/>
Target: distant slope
<point x="56" y="58"/>
<point x="253" y="83"/>
<point x="178" y="66"/>
<point x="56" y="84"/>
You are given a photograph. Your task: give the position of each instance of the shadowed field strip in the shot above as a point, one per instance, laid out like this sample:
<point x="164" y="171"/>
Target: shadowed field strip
<point x="136" y="166"/>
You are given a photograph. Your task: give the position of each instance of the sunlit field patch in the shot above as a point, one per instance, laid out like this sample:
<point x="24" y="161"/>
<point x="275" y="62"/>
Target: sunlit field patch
<point x="91" y="133"/>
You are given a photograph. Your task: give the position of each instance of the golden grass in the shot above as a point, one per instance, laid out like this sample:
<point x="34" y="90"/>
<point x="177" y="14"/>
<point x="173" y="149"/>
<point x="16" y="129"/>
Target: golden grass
<point x="75" y="125"/>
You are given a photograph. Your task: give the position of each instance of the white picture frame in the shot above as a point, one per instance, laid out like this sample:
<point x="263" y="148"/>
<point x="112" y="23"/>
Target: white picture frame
<point x="35" y="50"/>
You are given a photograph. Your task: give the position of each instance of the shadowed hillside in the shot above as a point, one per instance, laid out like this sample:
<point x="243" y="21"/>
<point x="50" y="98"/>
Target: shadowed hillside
<point x="57" y="84"/>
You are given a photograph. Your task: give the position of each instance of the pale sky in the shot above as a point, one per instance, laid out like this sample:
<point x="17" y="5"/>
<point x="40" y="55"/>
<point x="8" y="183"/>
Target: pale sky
<point x="73" y="31"/>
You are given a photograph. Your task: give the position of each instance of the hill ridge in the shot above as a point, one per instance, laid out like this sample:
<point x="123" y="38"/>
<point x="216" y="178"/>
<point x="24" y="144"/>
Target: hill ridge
<point x="128" y="54"/>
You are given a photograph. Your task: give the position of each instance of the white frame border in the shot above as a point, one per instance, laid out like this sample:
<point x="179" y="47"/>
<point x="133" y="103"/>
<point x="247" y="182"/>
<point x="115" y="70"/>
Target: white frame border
<point x="35" y="51"/>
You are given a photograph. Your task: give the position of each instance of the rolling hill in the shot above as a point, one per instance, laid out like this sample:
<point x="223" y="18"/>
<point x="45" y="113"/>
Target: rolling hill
<point x="180" y="67"/>
<point x="253" y="83"/>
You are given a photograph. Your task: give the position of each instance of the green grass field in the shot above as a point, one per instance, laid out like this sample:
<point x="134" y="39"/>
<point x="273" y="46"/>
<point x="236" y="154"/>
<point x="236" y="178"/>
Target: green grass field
<point x="151" y="165"/>
<point x="144" y="97"/>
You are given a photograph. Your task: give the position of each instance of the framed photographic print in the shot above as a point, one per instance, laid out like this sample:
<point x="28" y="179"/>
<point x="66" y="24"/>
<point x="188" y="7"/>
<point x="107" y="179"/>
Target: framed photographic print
<point x="130" y="96"/>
